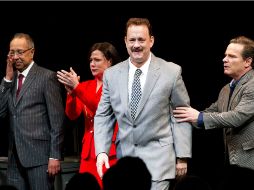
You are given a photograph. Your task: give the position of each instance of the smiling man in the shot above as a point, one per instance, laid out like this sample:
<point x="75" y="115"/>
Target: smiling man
<point x="31" y="96"/>
<point x="140" y="93"/>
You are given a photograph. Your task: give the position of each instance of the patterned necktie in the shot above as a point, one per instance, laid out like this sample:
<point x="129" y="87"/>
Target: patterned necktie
<point x="20" y="77"/>
<point x="136" y="93"/>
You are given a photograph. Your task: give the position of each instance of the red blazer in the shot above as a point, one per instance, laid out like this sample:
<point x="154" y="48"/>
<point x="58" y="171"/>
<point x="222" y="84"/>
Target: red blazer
<point x="84" y="99"/>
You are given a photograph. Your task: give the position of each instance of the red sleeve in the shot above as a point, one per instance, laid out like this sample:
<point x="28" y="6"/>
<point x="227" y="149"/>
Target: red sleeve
<point x="86" y="94"/>
<point x="73" y="107"/>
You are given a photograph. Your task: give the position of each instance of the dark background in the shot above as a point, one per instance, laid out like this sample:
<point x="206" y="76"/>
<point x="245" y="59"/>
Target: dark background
<point x="192" y="34"/>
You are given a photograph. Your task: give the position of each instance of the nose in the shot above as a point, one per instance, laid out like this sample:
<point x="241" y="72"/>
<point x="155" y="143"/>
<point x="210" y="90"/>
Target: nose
<point x="224" y="59"/>
<point x="92" y="63"/>
<point x="136" y="43"/>
<point x="15" y="56"/>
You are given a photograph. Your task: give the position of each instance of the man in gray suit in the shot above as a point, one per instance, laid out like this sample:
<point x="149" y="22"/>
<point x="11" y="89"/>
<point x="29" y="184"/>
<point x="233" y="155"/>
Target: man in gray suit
<point x="36" y="117"/>
<point x="234" y="109"/>
<point x="150" y="132"/>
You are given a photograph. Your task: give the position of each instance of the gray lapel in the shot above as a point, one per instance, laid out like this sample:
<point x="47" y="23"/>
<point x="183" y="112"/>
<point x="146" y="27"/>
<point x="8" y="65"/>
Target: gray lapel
<point x="30" y="77"/>
<point x="152" y="77"/>
<point x="225" y="94"/>
<point x="238" y="87"/>
<point x="123" y="87"/>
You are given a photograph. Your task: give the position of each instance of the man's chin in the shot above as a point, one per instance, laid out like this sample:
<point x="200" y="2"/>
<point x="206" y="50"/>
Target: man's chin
<point x="226" y="72"/>
<point x="138" y="59"/>
<point x="18" y="67"/>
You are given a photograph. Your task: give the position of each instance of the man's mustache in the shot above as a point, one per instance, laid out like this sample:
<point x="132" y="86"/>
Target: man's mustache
<point x="136" y="49"/>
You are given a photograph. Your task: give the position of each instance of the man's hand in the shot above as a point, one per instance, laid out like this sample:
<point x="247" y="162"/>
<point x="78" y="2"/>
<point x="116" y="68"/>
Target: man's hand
<point x="9" y="68"/>
<point x="102" y="159"/>
<point x="181" y="167"/>
<point x="186" y="114"/>
<point x="54" y="167"/>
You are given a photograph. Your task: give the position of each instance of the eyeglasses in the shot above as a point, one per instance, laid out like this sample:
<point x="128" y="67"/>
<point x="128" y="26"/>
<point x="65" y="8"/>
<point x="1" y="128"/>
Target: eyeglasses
<point x="18" y="52"/>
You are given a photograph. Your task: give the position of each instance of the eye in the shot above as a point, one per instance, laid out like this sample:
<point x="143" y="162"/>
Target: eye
<point x="20" y="52"/>
<point x="11" y="53"/>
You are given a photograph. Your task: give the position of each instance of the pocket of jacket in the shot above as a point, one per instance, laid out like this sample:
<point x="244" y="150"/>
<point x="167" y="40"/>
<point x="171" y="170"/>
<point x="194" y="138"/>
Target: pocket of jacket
<point x="248" y="145"/>
<point x="166" y="141"/>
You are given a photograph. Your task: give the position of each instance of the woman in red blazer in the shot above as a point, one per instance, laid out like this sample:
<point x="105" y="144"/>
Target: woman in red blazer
<point x="83" y="98"/>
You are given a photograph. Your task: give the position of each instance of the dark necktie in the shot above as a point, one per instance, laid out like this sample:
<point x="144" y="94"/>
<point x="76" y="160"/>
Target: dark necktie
<point x="20" y="79"/>
<point x="232" y="87"/>
<point x="135" y="93"/>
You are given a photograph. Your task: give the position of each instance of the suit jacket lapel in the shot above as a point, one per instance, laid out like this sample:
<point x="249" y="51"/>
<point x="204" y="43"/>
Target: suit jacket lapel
<point x="238" y="87"/>
<point x="30" y="77"/>
<point x="14" y="90"/>
<point x="123" y="87"/>
<point x="152" y="77"/>
<point x="225" y="104"/>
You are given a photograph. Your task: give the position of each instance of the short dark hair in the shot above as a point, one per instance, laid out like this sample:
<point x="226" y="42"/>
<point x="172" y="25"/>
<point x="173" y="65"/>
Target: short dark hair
<point x="248" y="50"/>
<point x="138" y="22"/>
<point x="28" y="38"/>
<point x="108" y="50"/>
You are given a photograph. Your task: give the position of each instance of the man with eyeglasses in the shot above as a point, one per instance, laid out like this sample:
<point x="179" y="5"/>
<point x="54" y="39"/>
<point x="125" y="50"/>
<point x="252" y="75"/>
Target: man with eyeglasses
<point x="36" y="114"/>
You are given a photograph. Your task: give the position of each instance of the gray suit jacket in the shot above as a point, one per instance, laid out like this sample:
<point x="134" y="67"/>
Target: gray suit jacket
<point x="36" y="117"/>
<point x="237" y="119"/>
<point x="154" y="135"/>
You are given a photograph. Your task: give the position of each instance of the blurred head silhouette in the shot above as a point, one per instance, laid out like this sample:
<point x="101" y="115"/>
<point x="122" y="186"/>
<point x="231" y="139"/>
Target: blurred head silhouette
<point x="129" y="173"/>
<point x="83" y="181"/>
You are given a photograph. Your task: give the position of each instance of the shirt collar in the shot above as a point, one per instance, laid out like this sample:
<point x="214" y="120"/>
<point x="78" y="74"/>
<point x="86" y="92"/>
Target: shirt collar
<point x="25" y="72"/>
<point x="143" y="68"/>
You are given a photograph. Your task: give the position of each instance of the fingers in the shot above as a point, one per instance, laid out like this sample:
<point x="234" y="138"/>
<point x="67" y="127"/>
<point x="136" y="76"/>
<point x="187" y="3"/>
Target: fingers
<point x="62" y="76"/>
<point x="181" y="169"/>
<point x="99" y="166"/>
<point x="9" y="68"/>
<point x="180" y="109"/>
<point x="181" y="172"/>
<point x="102" y="159"/>
<point x="72" y="71"/>
<point x="63" y="73"/>
<point x="107" y="165"/>
<point x="182" y="120"/>
<point x="181" y="113"/>
<point x="53" y="167"/>
<point x="53" y="171"/>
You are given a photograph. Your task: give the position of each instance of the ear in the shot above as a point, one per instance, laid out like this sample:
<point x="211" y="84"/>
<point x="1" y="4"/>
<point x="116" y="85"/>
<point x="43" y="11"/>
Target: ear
<point x="110" y="62"/>
<point x="32" y="52"/>
<point x="248" y="62"/>
<point x="125" y="40"/>
<point x="151" y="41"/>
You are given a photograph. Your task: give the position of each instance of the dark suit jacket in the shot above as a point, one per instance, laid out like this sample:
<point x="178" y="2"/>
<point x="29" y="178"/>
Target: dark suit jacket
<point x="36" y="117"/>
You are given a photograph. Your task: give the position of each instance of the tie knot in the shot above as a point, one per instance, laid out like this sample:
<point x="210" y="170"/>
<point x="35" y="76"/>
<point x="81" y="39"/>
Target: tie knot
<point x="138" y="72"/>
<point x="233" y="84"/>
<point x="21" y="76"/>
